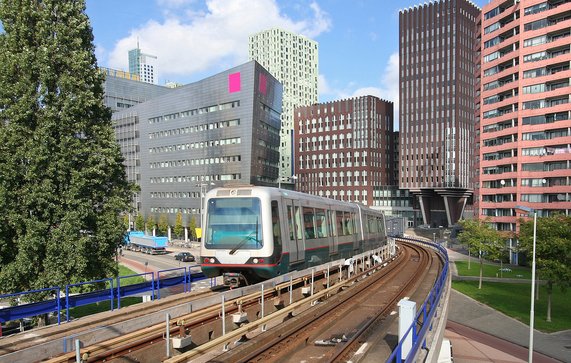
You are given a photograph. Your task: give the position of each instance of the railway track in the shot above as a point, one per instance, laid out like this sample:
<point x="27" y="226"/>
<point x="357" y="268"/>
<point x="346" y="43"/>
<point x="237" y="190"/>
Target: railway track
<point x="332" y="294"/>
<point x="335" y="332"/>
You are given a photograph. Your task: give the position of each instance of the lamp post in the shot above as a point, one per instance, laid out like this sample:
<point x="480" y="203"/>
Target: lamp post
<point x="531" y="313"/>
<point x="202" y="192"/>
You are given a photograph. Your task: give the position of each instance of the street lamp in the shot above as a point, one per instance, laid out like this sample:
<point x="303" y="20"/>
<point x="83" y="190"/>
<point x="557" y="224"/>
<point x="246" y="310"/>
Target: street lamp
<point x="531" y="313"/>
<point x="202" y="192"/>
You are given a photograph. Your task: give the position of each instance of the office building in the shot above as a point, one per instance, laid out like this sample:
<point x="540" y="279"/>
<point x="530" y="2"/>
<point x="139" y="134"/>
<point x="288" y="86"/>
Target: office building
<point x="437" y="108"/>
<point x="292" y="59"/>
<point x="219" y="131"/>
<point x="344" y="149"/>
<point x="143" y="65"/>
<point x="525" y="120"/>
<point x="122" y="91"/>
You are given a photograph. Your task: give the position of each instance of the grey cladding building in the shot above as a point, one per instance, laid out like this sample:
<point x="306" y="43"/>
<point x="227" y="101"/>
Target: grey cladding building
<point x="222" y="130"/>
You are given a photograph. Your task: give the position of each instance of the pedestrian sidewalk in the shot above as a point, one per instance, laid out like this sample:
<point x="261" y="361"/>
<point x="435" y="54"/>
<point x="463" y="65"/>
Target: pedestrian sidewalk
<point x="469" y="312"/>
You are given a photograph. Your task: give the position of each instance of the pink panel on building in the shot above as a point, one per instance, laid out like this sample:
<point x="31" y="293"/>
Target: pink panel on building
<point x="234" y="82"/>
<point x="263" y="84"/>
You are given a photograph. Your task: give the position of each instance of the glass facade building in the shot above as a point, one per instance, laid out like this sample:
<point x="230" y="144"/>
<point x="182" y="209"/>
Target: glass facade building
<point x="219" y="131"/>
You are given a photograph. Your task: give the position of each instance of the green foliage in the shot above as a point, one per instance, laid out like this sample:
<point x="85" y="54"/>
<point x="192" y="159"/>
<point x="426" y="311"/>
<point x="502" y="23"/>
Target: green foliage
<point x="482" y="240"/>
<point x="150" y="223"/>
<point x="192" y="227"/>
<point x="62" y="181"/>
<point x="163" y="225"/>
<point x="553" y="247"/>
<point x="514" y="300"/>
<point x="178" y="227"/>
<point x="126" y="222"/>
<point x="139" y="223"/>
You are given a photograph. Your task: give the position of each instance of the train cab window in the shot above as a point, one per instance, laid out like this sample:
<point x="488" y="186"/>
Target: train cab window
<point x="309" y="222"/>
<point x="321" y="223"/>
<point x="233" y="223"/>
<point x="276" y="227"/>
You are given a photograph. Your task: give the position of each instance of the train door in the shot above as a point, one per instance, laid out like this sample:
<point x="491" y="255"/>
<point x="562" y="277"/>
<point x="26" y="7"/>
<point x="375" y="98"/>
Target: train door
<point x="294" y="235"/>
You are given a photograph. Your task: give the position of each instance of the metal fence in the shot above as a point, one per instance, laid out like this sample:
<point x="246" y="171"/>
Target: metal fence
<point x="113" y="291"/>
<point x="424" y="319"/>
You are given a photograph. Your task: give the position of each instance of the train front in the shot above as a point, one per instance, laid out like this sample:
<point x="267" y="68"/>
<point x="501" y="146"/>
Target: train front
<point x="237" y="240"/>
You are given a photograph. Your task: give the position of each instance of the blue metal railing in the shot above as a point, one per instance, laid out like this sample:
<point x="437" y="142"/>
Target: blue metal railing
<point x="424" y="319"/>
<point x="151" y="286"/>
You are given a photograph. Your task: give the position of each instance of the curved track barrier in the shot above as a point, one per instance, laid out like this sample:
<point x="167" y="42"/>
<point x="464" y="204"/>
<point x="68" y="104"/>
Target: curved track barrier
<point x="152" y="285"/>
<point x="425" y="318"/>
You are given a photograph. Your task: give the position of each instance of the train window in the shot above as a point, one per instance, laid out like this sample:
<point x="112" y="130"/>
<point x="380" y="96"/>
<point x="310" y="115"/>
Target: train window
<point x="321" y="223"/>
<point x="372" y="224"/>
<point x="290" y="221"/>
<point x="331" y="222"/>
<point x="276" y="228"/>
<point x="233" y="223"/>
<point x="340" y="225"/>
<point x="348" y="224"/>
<point x="309" y="222"/>
<point x="298" y="223"/>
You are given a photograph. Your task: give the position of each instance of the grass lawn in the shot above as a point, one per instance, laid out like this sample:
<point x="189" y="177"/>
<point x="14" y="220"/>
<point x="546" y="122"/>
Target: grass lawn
<point x="514" y="300"/>
<point x="101" y="306"/>
<point x="492" y="270"/>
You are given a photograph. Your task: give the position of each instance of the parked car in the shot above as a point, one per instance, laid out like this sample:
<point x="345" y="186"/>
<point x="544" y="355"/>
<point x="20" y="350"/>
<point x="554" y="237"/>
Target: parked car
<point x="184" y="257"/>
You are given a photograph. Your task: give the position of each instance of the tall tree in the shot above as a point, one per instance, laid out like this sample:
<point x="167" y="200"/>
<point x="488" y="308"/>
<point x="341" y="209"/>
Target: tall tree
<point x="62" y="182"/>
<point x="139" y="222"/>
<point x="552" y="251"/>
<point x="163" y="224"/>
<point x="192" y="227"/>
<point x="178" y="227"/>
<point x="481" y="239"/>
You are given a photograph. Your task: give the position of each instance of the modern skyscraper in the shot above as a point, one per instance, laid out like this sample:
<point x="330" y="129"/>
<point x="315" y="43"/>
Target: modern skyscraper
<point x="143" y="65"/>
<point x="525" y="120"/>
<point x="222" y="130"/>
<point x="292" y="59"/>
<point x="344" y="149"/>
<point x="437" y="108"/>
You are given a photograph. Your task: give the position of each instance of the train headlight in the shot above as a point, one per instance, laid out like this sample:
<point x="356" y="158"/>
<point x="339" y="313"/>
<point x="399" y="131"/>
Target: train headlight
<point x="258" y="260"/>
<point x="255" y="260"/>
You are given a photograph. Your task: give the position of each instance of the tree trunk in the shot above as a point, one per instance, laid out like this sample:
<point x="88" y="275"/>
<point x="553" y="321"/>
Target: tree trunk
<point x="549" y="291"/>
<point x="481" y="272"/>
<point x="43" y="320"/>
<point x="549" y="308"/>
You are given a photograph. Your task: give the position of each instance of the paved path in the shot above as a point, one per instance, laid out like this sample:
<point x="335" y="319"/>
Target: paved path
<point x="466" y="311"/>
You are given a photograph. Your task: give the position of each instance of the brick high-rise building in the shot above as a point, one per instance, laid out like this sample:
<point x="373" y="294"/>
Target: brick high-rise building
<point x="525" y="121"/>
<point x="343" y="149"/>
<point x="437" y="108"/>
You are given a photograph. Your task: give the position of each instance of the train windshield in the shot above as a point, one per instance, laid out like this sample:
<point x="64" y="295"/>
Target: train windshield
<point x="233" y="223"/>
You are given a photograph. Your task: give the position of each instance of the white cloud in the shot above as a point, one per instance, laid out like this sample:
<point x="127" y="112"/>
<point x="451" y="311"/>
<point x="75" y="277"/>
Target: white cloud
<point x="186" y="44"/>
<point x="388" y="88"/>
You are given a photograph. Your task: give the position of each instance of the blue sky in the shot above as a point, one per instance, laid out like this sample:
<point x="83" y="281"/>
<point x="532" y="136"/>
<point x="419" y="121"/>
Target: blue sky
<point x="193" y="39"/>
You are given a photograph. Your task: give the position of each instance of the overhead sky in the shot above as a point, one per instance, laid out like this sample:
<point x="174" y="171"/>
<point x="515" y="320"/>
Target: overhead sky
<point x="194" y="39"/>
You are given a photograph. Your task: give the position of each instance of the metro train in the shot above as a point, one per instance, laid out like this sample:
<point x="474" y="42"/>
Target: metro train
<point x="255" y="233"/>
